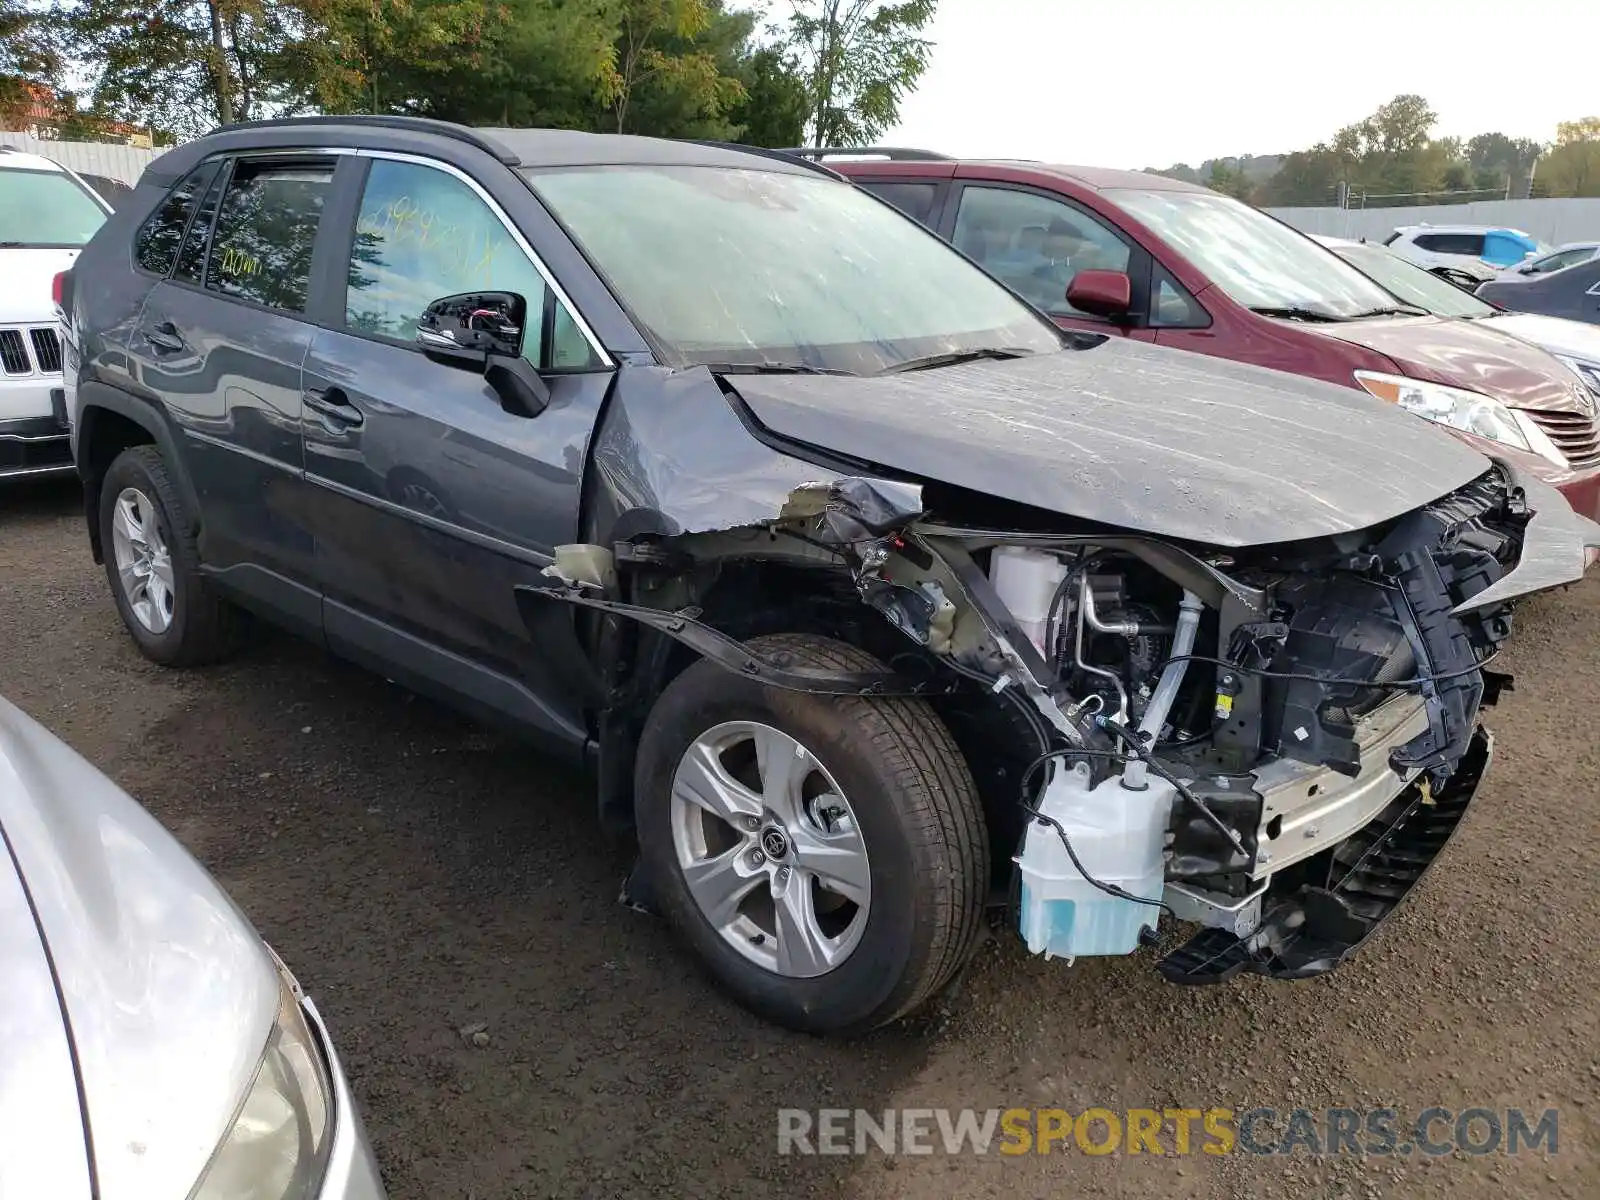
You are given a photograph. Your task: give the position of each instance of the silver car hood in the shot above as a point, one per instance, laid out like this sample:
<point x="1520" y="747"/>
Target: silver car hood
<point x="1575" y="339"/>
<point x="169" y="993"/>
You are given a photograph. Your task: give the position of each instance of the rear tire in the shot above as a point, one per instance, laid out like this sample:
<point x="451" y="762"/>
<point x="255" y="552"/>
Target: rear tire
<point x="171" y="610"/>
<point x="889" y="926"/>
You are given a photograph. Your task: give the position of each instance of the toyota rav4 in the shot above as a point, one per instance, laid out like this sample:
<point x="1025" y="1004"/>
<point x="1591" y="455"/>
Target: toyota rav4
<point x="872" y="598"/>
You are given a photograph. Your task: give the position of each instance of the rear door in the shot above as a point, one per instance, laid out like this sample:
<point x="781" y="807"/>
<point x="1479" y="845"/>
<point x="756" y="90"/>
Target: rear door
<point x="1575" y="293"/>
<point x="1036" y="242"/>
<point x="431" y="500"/>
<point x="922" y="200"/>
<point x="222" y="341"/>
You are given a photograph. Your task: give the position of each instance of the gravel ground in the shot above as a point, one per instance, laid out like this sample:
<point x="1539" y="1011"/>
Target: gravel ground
<point x="426" y="877"/>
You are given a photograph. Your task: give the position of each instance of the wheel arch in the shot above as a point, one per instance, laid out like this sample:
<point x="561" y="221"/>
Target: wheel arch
<point x="751" y="597"/>
<point x="110" y="421"/>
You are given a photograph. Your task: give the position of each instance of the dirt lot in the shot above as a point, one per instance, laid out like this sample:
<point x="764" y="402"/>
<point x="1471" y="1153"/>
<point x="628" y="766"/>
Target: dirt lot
<point x="423" y="875"/>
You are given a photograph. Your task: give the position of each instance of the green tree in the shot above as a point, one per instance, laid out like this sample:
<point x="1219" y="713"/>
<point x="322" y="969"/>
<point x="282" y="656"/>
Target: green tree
<point x="1229" y="179"/>
<point x="859" y="58"/>
<point x="1497" y="159"/>
<point x="1180" y="171"/>
<point x="187" y="65"/>
<point x="358" y="55"/>
<point x="1402" y="126"/>
<point x="1572" y="168"/>
<point x="30" y="54"/>
<point x="1390" y="153"/>
<point x="776" y="102"/>
<point x="675" y="52"/>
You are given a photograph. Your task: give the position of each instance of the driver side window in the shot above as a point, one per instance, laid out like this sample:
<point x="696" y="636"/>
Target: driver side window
<point x="1555" y="262"/>
<point x="423" y="234"/>
<point x="1035" y="244"/>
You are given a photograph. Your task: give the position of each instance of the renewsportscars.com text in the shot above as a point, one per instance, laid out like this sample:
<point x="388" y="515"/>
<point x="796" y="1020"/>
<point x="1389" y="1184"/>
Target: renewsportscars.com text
<point x="1168" y="1131"/>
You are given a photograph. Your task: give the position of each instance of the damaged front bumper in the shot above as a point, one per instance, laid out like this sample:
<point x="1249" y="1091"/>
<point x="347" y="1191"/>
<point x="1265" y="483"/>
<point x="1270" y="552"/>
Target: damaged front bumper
<point x="1368" y="875"/>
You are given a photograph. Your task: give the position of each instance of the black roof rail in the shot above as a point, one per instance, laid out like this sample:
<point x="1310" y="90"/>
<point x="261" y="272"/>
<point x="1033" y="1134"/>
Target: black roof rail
<point x="787" y="156"/>
<point x="892" y="153"/>
<point x="449" y="129"/>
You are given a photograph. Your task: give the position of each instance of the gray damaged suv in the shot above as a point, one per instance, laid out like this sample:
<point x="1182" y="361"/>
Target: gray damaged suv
<point x="871" y="598"/>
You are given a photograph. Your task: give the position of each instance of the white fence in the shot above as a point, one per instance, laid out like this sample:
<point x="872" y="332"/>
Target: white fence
<point x="1553" y="221"/>
<point x="126" y="163"/>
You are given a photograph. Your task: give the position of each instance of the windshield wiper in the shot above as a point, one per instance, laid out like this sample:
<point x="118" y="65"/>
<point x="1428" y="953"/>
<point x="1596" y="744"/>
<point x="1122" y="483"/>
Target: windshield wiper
<point x="951" y="359"/>
<point x="1403" y="310"/>
<point x="1295" y="312"/>
<point x="773" y="368"/>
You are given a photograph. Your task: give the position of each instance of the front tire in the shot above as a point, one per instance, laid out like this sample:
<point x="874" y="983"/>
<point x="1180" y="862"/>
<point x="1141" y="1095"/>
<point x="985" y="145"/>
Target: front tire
<point x="170" y="609"/>
<point x="826" y="858"/>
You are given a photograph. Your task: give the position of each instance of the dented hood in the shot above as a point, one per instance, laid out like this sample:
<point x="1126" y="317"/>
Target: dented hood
<point x="1157" y="441"/>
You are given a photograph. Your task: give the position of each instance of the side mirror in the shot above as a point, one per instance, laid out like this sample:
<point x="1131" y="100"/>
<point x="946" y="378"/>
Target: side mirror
<point x="483" y="331"/>
<point x="1106" y="294"/>
<point x="466" y="329"/>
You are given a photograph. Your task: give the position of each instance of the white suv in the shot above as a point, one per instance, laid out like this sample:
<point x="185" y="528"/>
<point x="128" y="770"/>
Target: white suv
<point x="46" y="215"/>
<point x="1477" y="251"/>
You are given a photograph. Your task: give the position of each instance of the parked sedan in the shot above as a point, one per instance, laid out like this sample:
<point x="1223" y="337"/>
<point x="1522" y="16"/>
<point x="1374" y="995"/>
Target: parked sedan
<point x="1572" y="292"/>
<point x="154" y="1046"/>
<point x="1574" y="343"/>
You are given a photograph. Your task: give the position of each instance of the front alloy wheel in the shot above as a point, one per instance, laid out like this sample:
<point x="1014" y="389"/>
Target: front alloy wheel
<point x="826" y="857"/>
<point x="769" y="849"/>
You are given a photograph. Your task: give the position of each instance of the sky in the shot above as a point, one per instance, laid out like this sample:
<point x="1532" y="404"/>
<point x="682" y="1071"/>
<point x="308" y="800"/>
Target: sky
<point x="1147" y="83"/>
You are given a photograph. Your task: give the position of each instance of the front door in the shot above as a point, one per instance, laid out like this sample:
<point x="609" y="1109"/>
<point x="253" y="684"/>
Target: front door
<point x="222" y="341"/>
<point x="1036" y="243"/>
<point x="432" y="501"/>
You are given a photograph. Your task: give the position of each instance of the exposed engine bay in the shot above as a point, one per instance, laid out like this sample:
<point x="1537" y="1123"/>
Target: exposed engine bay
<point x="1271" y="742"/>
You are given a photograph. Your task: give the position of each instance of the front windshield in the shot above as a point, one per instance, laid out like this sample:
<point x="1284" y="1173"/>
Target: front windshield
<point x="45" y="209"/>
<point x="1413" y="284"/>
<point x="753" y="267"/>
<point x="1259" y="262"/>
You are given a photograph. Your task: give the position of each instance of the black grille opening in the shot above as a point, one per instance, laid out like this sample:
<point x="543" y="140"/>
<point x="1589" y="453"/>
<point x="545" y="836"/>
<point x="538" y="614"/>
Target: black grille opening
<point x="46" y="349"/>
<point x="14" y="353"/>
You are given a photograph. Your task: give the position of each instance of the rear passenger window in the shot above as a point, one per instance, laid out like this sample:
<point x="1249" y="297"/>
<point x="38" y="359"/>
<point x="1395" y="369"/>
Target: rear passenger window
<point x="192" y="257"/>
<point x="423" y="234"/>
<point x="913" y="199"/>
<point x="156" y="247"/>
<point x="266" y="229"/>
<point x="1451" y="243"/>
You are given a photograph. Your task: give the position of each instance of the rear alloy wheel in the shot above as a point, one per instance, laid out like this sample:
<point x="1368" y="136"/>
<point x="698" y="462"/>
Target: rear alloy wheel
<point x="144" y="564"/>
<point x="153" y="565"/>
<point x="826" y="857"/>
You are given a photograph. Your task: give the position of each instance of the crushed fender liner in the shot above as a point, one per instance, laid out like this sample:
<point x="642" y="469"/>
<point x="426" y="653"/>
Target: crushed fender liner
<point x="1369" y="875"/>
<point x="733" y="655"/>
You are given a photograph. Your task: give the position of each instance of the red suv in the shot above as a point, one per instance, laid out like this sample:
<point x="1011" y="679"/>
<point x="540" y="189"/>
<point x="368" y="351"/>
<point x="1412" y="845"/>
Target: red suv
<point x="1163" y="261"/>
